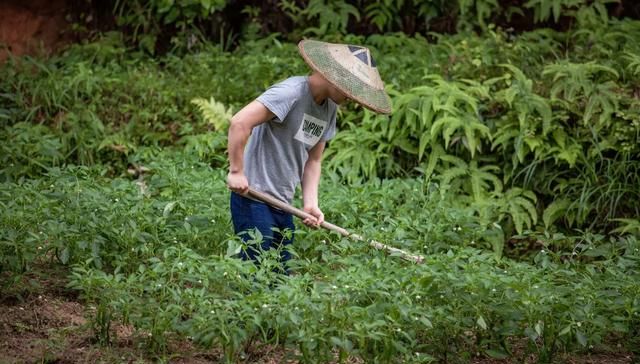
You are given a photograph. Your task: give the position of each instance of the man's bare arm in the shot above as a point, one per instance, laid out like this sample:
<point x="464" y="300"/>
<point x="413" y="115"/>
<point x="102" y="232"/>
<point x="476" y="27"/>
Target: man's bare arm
<point x="242" y="123"/>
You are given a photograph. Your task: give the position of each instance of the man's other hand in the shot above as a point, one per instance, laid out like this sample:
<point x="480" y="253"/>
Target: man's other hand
<point x="237" y="182"/>
<point x="318" y="216"/>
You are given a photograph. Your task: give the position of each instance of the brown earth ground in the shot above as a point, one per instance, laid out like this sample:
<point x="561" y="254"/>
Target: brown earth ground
<point x="43" y="321"/>
<point x="32" y="26"/>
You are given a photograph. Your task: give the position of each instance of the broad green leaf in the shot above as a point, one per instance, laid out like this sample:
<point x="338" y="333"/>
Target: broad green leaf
<point x="480" y="321"/>
<point x="233" y="248"/>
<point x="168" y="208"/>
<point x="64" y="255"/>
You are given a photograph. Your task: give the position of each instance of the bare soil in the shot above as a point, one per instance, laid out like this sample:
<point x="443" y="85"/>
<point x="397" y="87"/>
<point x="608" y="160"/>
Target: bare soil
<point x="32" y="26"/>
<point x="43" y="321"/>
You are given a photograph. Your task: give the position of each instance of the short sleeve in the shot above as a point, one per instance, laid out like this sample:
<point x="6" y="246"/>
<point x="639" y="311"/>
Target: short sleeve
<point x="280" y="98"/>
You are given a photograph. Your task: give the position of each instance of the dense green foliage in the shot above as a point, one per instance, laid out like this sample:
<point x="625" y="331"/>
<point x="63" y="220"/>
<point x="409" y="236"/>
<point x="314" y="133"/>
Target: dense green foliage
<point x="188" y="22"/>
<point x="521" y="139"/>
<point x="159" y="255"/>
<point x="511" y="161"/>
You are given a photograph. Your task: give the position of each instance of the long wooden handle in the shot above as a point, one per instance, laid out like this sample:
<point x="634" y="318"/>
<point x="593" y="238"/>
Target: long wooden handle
<point x="329" y="226"/>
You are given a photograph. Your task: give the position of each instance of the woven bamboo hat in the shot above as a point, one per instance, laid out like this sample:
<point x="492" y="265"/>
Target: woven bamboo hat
<point x="349" y="68"/>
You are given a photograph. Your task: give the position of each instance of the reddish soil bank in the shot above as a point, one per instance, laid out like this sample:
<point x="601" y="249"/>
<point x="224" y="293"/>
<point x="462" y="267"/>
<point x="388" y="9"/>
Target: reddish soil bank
<point x="31" y="26"/>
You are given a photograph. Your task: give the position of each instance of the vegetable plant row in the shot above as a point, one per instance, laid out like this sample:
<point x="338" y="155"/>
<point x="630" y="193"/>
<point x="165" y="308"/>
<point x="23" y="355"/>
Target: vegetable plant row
<point x="162" y="258"/>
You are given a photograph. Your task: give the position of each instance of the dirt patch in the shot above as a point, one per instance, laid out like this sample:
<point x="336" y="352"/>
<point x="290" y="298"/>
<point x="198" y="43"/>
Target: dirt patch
<point x="41" y="320"/>
<point x="39" y="317"/>
<point x="604" y="354"/>
<point x="31" y="26"/>
<point x="38" y="329"/>
<point x="602" y="358"/>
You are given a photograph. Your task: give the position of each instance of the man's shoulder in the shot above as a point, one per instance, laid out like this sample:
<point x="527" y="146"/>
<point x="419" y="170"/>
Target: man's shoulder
<point x="292" y="88"/>
<point x="300" y="83"/>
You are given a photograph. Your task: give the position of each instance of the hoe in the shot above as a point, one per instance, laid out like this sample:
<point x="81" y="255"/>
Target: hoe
<point x="329" y="226"/>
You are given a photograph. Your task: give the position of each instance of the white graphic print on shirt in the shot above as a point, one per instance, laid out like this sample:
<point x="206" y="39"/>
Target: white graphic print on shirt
<point x="311" y="129"/>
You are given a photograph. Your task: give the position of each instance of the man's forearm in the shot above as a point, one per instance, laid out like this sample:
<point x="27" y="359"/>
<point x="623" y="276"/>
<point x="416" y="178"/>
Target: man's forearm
<point x="310" y="182"/>
<point x="237" y="139"/>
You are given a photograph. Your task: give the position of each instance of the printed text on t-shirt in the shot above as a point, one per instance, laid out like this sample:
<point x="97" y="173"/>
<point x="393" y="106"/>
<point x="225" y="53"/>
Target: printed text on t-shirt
<point x="311" y="129"/>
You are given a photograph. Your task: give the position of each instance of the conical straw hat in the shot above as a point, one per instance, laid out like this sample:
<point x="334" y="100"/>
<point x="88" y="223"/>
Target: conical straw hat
<point x="351" y="69"/>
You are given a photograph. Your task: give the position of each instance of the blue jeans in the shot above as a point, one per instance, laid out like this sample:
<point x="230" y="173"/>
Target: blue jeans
<point x="248" y="214"/>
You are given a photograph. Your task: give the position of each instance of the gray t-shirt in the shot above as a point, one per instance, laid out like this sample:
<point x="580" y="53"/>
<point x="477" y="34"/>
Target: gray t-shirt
<point x="278" y="149"/>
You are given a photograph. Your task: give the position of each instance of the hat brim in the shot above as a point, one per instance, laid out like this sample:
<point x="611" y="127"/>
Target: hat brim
<point x="317" y="56"/>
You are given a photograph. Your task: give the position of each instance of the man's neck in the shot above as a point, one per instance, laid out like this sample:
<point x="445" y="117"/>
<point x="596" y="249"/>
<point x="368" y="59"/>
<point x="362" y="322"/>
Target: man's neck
<point x="318" y="88"/>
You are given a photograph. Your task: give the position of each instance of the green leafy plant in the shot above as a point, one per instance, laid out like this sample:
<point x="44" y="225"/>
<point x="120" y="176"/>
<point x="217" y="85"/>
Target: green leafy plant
<point x="511" y="184"/>
<point x="545" y="9"/>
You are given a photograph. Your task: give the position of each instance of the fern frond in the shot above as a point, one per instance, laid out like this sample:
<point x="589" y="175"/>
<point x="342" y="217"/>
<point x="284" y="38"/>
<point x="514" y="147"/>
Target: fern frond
<point x="214" y="112"/>
<point x="457" y="161"/>
<point x="436" y="153"/>
<point x="450" y="174"/>
<point x="556" y="209"/>
<point x="634" y="62"/>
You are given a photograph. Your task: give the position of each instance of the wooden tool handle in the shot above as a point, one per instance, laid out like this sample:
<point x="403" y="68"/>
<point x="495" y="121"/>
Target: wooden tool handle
<point x="272" y="201"/>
